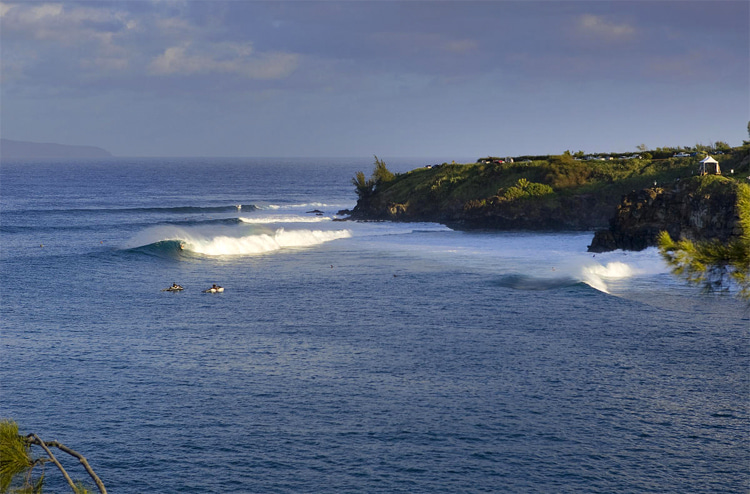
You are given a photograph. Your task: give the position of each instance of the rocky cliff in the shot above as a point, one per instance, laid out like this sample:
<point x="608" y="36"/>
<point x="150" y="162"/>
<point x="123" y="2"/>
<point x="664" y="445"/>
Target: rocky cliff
<point x="577" y="212"/>
<point x="700" y="208"/>
<point x="582" y="211"/>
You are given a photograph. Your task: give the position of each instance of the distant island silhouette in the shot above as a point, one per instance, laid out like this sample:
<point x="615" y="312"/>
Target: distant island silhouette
<point x="15" y="150"/>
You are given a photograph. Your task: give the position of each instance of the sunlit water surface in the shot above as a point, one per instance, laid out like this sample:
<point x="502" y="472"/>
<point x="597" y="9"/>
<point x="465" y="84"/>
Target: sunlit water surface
<point x="345" y="356"/>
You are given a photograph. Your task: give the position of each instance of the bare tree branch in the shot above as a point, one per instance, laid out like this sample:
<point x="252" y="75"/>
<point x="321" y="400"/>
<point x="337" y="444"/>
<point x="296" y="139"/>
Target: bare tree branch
<point x="34" y="439"/>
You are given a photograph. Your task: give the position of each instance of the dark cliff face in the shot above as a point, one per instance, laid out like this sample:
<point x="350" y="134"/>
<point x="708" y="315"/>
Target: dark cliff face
<point x="689" y="210"/>
<point x="577" y="212"/>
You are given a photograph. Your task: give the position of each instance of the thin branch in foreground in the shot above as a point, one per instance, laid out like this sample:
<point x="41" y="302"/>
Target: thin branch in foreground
<point x="34" y="439"/>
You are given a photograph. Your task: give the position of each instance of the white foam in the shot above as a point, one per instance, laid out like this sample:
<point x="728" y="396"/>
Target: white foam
<point x="613" y="270"/>
<point x="265" y="220"/>
<point x="597" y="275"/>
<point x="301" y="205"/>
<point x="215" y="243"/>
<point x="262" y="243"/>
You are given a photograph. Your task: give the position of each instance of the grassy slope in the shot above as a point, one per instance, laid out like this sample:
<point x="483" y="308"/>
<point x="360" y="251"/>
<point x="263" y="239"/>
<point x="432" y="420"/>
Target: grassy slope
<point x="449" y="188"/>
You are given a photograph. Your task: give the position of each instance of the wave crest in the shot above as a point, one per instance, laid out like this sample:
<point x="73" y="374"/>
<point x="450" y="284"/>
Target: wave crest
<point x="225" y="245"/>
<point x="597" y="275"/>
<point x="263" y="220"/>
<point x="263" y="243"/>
<point x="594" y="275"/>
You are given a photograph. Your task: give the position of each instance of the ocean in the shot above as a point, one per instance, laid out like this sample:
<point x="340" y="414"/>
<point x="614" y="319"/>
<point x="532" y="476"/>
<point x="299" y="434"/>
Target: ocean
<point x="349" y="356"/>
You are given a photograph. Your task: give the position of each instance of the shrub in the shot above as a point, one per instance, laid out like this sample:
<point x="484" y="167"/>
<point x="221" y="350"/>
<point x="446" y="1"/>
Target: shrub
<point x="564" y="171"/>
<point x="523" y="189"/>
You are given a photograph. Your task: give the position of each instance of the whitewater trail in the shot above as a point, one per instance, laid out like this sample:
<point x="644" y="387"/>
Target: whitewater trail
<point x="264" y="242"/>
<point x="211" y="244"/>
<point x="597" y="275"/>
<point x="262" y="220"/>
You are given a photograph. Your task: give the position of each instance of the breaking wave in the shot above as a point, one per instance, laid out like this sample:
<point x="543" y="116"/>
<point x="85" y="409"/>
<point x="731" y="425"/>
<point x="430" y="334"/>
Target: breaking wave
<point x="264" y="242"/>
<point x="166" y="210"/>
<point x="596" y="276"/>
<point x="264" y="220"/>
<point x="171" y="242"/>
<point x="301" y="205"/>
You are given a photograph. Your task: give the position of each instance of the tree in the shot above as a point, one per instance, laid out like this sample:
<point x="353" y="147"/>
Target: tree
<point x="381" y="174"/>
<point x="17" y="463"/>
<point x="362" y="185"/>
<point x="712" y="264"/>
<point x="642" y="148"/>
<point x="722" y="146"/>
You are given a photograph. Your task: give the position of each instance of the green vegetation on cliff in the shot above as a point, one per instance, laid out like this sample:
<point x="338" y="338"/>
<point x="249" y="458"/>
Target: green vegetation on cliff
<point x="559" y="192"/>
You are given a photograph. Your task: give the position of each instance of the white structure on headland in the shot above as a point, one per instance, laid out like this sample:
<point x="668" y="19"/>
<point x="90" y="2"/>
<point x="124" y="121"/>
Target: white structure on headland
<point x="707" y="166"/>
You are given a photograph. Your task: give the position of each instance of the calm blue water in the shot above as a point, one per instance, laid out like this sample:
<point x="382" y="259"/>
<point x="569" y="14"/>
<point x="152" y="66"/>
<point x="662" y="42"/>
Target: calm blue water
<point x="349" y="357"/>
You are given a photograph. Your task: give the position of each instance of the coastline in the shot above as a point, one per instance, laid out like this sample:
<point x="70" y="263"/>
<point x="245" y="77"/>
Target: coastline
<point x="626" y="202"/>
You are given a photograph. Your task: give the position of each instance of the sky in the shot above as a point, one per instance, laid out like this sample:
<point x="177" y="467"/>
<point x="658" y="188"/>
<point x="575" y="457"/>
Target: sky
<point x="451" y="79"/>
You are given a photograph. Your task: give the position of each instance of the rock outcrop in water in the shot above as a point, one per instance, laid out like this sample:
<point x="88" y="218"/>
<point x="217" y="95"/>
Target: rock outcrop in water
<point x="701" y="208"/>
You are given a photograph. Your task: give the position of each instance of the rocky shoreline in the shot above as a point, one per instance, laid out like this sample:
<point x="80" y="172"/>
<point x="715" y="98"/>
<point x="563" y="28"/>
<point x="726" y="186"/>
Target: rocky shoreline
<point x="696" y="209"/>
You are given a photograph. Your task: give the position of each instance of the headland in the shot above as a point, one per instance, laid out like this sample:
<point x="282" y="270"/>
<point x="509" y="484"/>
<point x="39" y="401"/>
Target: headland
<point x="628" y="199"/>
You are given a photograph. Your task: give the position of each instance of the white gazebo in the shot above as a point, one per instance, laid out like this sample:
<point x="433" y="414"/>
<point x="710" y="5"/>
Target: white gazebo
<point x="709" y="165"/>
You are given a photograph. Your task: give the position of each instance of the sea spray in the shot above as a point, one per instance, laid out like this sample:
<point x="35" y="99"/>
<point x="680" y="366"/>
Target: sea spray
<point x="263" y="242"/>
<point x="597" y="275"/>
<point x="262" y="220"/>
<point x="316" y="205"/>
<point x="231" y="241"/>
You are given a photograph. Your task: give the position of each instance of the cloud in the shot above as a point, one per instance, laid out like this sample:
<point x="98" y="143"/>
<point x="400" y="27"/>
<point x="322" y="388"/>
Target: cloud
<point x="60" y="42"/>
<point x="81" y="44"/>
<point x="64" y="24"/>
<point x="460" y="46"/>
<point x="599" y="26"/>
<point x="226" y="58"/>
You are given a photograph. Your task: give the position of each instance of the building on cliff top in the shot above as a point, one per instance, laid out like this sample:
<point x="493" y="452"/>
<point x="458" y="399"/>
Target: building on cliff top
<point x="709" y="165"/>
